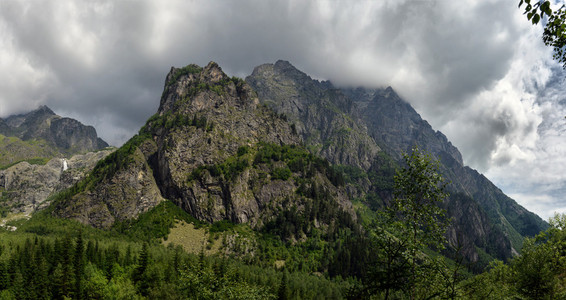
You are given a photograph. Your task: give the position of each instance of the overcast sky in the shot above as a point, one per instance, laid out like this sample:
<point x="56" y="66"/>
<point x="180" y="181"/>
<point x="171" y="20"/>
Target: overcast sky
<point x="475" y="69"/>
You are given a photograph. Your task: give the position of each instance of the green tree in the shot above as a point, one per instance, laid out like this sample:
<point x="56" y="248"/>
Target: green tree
<point x="413" y="223"/>
<point x="79" y="264"/>
<point x="140" y="276"/>
<point x="283" y="293"/>
<point x="419" y="189"/>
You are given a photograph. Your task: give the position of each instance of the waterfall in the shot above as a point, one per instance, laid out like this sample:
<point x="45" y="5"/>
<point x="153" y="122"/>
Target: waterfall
<point x="65" y="167"/>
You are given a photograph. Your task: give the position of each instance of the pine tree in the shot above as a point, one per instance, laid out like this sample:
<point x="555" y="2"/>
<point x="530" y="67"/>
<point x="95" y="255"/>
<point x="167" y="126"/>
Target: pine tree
<point x="140" y="279"/>
<point x="283" y="292"/>
<point x="79" y="264"/>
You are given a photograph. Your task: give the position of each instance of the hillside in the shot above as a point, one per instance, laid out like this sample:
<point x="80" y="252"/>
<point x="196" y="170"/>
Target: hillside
<point x="360" y="127"/>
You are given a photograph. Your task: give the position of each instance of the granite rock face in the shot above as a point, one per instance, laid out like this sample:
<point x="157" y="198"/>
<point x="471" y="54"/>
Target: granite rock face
<point x="199" y="151"/>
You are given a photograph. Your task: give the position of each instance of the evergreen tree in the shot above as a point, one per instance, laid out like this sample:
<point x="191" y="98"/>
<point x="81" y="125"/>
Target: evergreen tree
<point x="283" y="292"/>
<point x="79" y="263"/>
<point x="4" y="276"/>
<point x="140" y="278"/>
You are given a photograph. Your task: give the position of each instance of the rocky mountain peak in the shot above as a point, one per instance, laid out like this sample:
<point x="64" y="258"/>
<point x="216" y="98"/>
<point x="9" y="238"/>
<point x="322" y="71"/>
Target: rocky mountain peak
<point x="212" y="73"/>
<point x="196" y="86"/>
<point x="43" y="109"/>
<point x="67" y="135"/>
<point x="323" y="116"/>
<point x="199" y="152"/>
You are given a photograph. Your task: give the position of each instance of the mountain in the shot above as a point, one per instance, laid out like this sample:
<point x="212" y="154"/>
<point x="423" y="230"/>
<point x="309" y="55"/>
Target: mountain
<point x="288" y="154"/>
<point x="378" y="123"/>
<point x="393" y="123"/>
<point x="219" y="154"/>
<point x="67" y="135"/>
<point x="42" y="153"/>
<point x="277" y="175"/>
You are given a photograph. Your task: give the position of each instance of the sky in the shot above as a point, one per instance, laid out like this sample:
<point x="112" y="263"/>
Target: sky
<point x="474" y="69"/>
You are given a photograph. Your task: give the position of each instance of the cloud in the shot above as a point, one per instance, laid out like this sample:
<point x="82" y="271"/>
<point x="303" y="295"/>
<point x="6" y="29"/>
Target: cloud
<point x="473" y="69"/>
<point x="538" y="180"/>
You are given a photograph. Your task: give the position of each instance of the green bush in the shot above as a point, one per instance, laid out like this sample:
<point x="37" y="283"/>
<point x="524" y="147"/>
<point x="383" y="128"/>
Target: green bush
<point x="281" y="173"/>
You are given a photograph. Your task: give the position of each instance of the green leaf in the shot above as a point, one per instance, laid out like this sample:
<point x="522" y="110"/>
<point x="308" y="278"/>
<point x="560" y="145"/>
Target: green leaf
<point x="536" y="18"/>
<point x="529" y="16"/>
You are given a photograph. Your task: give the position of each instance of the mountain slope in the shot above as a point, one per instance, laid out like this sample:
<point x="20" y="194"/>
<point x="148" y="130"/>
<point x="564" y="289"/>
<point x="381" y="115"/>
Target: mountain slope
<point x="483" y="217"/>
<point x="393" y="123"/>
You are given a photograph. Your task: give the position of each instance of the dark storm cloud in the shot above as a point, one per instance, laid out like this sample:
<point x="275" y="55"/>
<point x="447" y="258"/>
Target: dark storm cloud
<point x="471" y="68"/>
<point x="109" y="58"/>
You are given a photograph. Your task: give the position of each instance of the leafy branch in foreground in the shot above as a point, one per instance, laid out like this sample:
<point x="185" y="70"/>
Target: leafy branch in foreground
<point x="554" y="34"/>
<point x="402" y="235"/>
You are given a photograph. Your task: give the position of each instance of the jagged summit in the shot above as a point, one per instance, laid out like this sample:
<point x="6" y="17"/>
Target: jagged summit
<point x="323" y="116"/>
<point x="44" y="109"/>
<point x="181" y="84"/>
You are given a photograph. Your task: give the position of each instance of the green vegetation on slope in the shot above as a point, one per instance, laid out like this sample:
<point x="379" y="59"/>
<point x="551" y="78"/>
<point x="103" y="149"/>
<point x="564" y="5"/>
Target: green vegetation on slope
<point x="55" y="258"/>
<point x="13" y="150"/>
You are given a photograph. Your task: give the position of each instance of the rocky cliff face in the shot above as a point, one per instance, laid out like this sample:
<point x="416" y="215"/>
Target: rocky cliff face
<point x="66" y="135"/>
<point x="326" y="119"/>
<point x="123" y="195"/>
<point x="25" y="187"/>
<point x="395" y="125"/>
<point x="213" y="149"/>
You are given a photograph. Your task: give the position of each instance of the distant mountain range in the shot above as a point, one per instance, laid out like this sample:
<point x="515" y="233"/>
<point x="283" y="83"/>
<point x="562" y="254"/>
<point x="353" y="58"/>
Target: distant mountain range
<point x="279" y="151"/>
